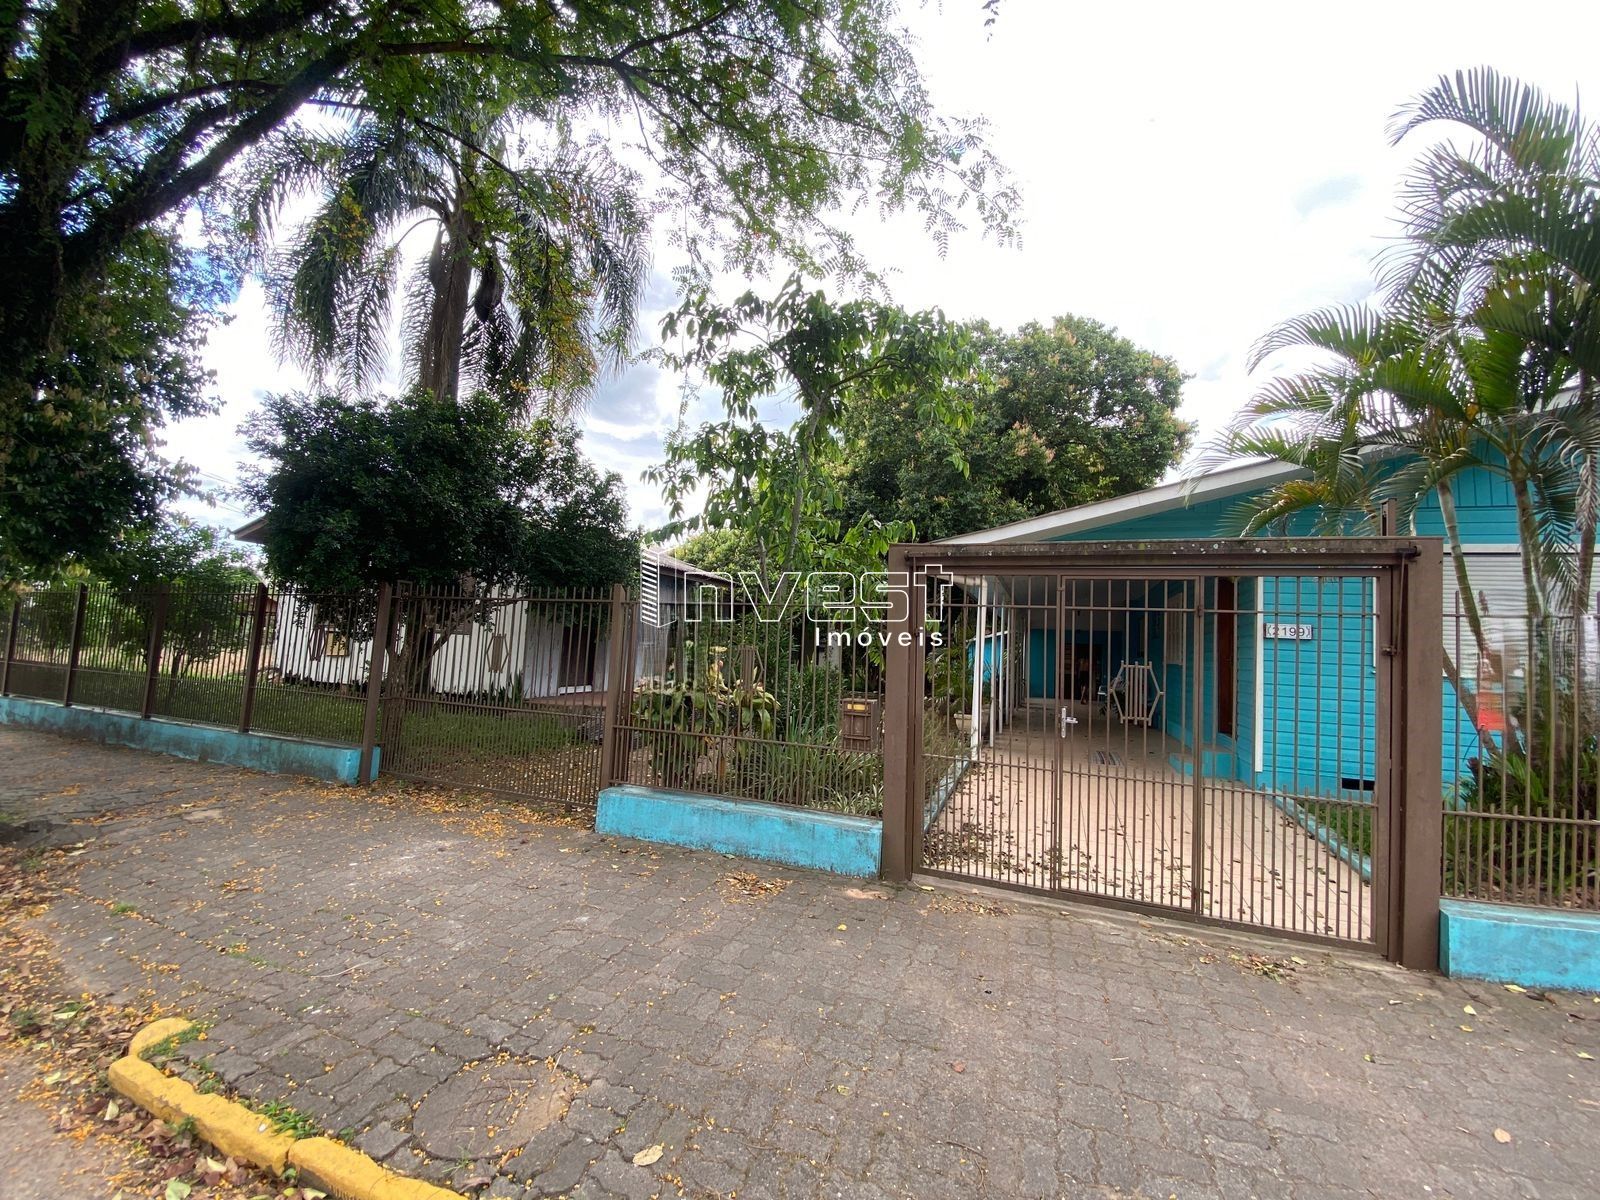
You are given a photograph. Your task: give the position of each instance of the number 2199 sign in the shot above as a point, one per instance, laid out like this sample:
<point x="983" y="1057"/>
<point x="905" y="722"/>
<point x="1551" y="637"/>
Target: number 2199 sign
<point x="1286" y="632"/>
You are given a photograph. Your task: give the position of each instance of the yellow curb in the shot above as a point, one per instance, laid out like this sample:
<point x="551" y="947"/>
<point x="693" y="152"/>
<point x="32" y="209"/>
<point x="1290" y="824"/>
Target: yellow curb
<point x="351" y="1175"/>
<point x="226" y="1124"/>
<point x="241" y="1134"/>
<point x="156" y="1031"/>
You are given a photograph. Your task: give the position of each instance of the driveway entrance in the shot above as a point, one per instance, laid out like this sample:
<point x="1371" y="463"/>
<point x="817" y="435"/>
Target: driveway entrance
<point x="1220" y="731"/>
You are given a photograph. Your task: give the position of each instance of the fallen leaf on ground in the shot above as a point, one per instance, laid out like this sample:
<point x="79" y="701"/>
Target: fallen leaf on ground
<point x="1501" y="1136"/>
<point x="747" y="885"/>
<point x="1469" y="1010"/>
<point x="649" y="1155"/>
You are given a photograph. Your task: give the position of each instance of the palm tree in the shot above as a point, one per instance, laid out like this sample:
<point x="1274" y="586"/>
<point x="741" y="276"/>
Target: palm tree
<point x="1396" y="410"/>
<point x="1481" y="353"/>
<point x="529" y="287"/>
<point x="1506" y="232"/>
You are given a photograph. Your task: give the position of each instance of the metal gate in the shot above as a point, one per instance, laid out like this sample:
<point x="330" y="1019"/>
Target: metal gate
<point x="1207" y="730"/>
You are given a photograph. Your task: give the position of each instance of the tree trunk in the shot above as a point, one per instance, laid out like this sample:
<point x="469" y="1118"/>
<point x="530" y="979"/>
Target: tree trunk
<point x="1588" y="515"/>
<point x="1469" y="598"/>
<point x="450" y="274"/>
<point x="803" y="465"/>
<point x="175" y="675"/>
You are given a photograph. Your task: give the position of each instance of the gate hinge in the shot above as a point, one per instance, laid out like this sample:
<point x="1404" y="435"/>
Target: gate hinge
<point x="1390" y="651"/>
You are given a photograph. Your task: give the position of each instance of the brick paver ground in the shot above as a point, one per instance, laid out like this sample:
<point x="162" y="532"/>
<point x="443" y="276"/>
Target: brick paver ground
<point x="478" y="996"/>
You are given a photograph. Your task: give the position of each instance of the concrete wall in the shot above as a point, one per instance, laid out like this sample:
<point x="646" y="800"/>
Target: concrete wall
<point x="796" y="837"/>
<point x="201" y="743"/>
<point x="1527" y="946"/>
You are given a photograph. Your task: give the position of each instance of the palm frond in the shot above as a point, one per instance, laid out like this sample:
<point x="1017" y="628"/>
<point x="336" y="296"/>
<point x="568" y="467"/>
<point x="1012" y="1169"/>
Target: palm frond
<point x="1531" y="130"/>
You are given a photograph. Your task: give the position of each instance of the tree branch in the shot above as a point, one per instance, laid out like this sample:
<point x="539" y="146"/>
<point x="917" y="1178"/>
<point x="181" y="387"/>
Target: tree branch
<point x="157" y="192"/>
<point x="153" y="104"/>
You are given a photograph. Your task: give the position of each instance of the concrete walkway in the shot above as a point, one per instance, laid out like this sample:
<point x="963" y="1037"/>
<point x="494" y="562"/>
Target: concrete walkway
<point x="1126" y="819"/>
<point x="475" y="996"/>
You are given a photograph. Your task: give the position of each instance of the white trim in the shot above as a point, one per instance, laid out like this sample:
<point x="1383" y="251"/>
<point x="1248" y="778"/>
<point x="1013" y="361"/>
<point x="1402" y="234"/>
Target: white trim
<point x="1261" y="671"/>
<point x="978" y="648"/>
<point x="1167" y="496"/>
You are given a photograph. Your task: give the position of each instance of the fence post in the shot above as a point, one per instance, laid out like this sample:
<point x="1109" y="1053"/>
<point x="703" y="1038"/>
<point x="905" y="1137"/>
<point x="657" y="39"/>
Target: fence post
<point x="252" y="665"/>
<point x="617" y="667"/>
<point x="152" y="651"/>
<point x="380" y="647"/>
<point x="902" y="726"/>
<point x="78" y="616"/>
<point x="1416" y="846"/>
<point x="11" y="646"/>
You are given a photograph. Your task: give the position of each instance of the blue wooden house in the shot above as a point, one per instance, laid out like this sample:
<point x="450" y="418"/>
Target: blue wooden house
<point x="1275" y="685"/>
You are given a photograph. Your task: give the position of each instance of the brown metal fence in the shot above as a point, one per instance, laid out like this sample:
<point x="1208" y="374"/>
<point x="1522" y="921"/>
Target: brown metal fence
<point x="268" y="661"/>
<point x="513" y="693"/>
<point x="502" y="692"/>
<point x="1242" y="733"/>
<point x="774" y="704"/>
<point x="1522" y="757"/>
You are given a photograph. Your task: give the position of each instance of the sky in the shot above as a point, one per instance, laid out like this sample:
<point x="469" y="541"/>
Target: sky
<point x="1190" y="174"/>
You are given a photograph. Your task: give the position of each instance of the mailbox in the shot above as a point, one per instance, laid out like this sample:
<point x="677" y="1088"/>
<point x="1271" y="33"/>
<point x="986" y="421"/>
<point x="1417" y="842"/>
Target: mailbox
<point x="860" y="719"/>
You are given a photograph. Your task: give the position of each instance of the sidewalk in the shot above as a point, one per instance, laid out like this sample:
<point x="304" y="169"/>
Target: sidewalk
<point x="471" y="995"/>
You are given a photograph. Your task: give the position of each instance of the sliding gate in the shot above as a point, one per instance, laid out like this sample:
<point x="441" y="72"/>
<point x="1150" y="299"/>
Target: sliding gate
<point x="1218" y="731"/>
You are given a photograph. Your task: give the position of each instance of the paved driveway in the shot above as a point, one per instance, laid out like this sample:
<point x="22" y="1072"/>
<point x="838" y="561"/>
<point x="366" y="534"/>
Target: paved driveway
<point x="473" y="995"/>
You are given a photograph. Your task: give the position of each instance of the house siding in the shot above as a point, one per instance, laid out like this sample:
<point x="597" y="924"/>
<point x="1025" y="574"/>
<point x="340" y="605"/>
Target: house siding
<point x="1334" y="675"/>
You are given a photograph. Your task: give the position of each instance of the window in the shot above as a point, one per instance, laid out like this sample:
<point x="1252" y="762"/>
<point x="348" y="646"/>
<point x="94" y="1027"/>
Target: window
<point x="577" y="657"/>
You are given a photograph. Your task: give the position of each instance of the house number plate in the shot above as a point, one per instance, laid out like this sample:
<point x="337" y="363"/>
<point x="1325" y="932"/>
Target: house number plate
<point x="1292" y="633"/>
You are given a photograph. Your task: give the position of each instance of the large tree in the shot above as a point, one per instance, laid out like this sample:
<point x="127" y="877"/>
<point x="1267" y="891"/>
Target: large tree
<point x="1066" y="413"/>
<point x="777" y="483"/>
<point x="534" y="272"/>
<point x="464" y="500"/>
<point x="81" y="460"/>
<point x="434" y="492"/>
<point x="763" y="118"/>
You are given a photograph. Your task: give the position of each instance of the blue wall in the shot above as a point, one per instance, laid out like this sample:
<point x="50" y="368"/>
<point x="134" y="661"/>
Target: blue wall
<point x="1333" y="676"/>
<point x="1320" y="695"/>
<point x="1042" y="664"/>
<point x="1508" y="944"/>
<point x="201" y="743"/>
<point x="797" y="837"/>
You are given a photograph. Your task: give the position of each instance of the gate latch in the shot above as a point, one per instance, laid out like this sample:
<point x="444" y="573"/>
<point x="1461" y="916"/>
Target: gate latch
<point x="1067" y="719"/>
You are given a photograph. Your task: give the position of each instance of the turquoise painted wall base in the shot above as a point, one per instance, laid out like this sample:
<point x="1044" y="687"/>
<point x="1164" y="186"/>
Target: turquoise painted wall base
<point x="1529" y="946"/>
<point x="332" y="761"/>
<point x="796" y="837"/>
